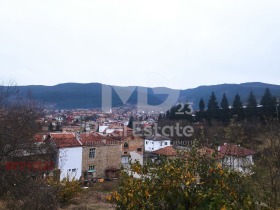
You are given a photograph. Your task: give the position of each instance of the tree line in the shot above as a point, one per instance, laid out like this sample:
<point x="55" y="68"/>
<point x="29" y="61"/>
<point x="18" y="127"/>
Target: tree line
<point x="223" y="112"/>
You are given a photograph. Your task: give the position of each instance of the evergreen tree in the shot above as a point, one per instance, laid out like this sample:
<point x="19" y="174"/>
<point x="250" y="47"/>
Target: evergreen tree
<point x="200" y="115"/>
<point x="201" y="105"/>
<point x="268" y="103"/>
<point x="187" y="112"/>
<point x="224" y="113"/>
<point x="237" y="104"/>
<point x="252" y="101"/>
<point x="130" y="123"/>
<point x="251" y="109"/>
<point x="213" y="108"/>
<point x="237" y="108"/>
<point x="212" y="103"/>
<point x="224" y="102"/>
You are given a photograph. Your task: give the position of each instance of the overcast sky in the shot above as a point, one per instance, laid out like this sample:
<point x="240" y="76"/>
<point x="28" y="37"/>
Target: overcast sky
<point x="177" y="44"/>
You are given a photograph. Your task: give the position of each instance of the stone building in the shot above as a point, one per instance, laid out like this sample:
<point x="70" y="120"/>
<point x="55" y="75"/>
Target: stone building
<point x="132" y="147"/>
<point x="100" y="154"/>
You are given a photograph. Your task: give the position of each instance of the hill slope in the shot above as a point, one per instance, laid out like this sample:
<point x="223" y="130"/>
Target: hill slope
<point x="76" y="95"/>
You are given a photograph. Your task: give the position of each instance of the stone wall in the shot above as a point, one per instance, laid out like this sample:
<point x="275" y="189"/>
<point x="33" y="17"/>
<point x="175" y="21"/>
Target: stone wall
<point x="106" y="156"/>
<point x="134" y="142"/>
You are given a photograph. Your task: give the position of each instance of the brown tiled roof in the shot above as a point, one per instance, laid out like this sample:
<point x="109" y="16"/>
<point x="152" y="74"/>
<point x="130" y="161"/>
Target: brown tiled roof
<point x="235" y="150"/>
<point x="65" y="140"/>
<point x="95" y="138"/>
<point x="158" y="137"/>
<point x="60" y="143"/>
<point x="62" y="135"/>
<point x="205" y="151"/>
<point x="166" y="151"/>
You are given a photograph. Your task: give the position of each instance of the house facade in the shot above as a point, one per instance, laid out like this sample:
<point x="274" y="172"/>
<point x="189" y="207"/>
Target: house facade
<point x="132" y="149"/>
<point x="236" y="157"/>
<point x="156" y="142"/>
<point x="69" y="157"/>
<point x="100" y="154"/>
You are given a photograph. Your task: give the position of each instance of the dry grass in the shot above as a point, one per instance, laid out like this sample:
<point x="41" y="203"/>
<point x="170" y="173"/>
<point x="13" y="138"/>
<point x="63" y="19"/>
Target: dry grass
<point x="93" y="198"/>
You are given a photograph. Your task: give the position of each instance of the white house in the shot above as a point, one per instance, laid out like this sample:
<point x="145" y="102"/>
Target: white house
<point x="236" y="157"/>
<point x="156" y="142"/>
<point x="69" y="158"/>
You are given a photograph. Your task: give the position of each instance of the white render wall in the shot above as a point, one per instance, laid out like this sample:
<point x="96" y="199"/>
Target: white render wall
<point x="70" y="159"/>
<point x="135" y="156"/>
<point x="241" y="164"/>
<point x="151" y="145"/>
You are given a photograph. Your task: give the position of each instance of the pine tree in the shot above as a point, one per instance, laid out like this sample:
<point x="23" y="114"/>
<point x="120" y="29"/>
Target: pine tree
<point x="237" y="104"/>
<point x="201" y="105"/>
<point x="251" y="109"/>
<point x="212" y="103"/>
<point x="130" y="123"/>
<point x="224" y="113"/>
<point x="224" y="102"/>
<point x="213" y="108"/>
<point x="252" y="101"/>
<point x="237" y="108"/>
<point x="268" y="102"/>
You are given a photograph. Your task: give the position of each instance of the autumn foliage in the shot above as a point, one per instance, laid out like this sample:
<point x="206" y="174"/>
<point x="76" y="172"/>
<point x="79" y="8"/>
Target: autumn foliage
<point x="191" y="181"/>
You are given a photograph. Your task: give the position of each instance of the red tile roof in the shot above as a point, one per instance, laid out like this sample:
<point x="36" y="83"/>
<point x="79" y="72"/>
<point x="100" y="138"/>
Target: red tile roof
<point x="235" y="150"/>
<point x="60" y="143"/>
<point x="62" y="135"/>
<point x="208" y="152"/>
<point x="166" y="151"/>
<point x="65" y="140"/>
<point x="95" y="138"/>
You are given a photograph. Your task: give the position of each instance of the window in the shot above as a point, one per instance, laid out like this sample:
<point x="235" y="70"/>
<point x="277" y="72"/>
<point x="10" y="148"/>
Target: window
<point x="165" y="143"/>
<point x="91" y="152"/>
<point x="146" y="142"/>
<point x="91" y="167"/>
<point x="125" y="145"/>
<point x="73" y="170"/>
<point x="139" y="149"/>
<point x="125" y="152"/>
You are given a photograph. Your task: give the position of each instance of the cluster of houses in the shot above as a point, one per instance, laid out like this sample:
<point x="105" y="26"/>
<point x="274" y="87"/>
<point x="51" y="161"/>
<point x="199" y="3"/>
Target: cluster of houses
<point x="100" y="155"/>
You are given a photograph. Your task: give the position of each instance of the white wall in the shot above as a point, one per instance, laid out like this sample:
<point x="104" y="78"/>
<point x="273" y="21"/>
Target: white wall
<point x="124" y="159"/>
<point x="135" y="156"/>
<point x="241" y="164"/>
<point x="70" y="158"/>
<point x="151" y="145"/>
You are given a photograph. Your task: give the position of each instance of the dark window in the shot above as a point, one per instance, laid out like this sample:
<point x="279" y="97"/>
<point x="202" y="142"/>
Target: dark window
<point x="125" y="152"/>
<point x="125" y="145"/>
<point x="139" y="149"/>
<point x="91" y="167"/>
<point x="91" y="152"/>
<point x="165" y="143"/>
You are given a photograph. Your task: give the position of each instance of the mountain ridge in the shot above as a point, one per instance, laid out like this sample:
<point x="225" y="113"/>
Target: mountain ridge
<point x="88" y="95"/>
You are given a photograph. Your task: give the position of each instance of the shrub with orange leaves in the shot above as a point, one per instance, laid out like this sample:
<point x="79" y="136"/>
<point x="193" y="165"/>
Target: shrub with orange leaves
<point x="173" y="184"/>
